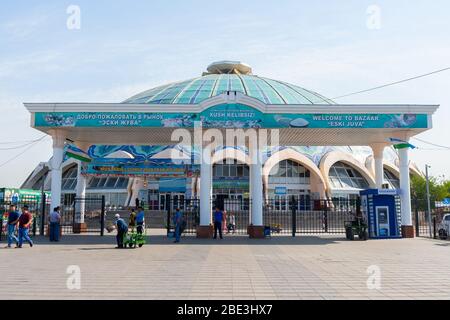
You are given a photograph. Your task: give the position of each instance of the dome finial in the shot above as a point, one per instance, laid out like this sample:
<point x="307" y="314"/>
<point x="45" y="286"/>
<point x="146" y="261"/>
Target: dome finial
<point x="229" y="67"/>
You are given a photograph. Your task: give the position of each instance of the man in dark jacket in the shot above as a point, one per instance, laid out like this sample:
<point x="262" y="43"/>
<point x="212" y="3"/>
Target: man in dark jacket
<point x="218" y="219"/>
<point x="25" y="220"/>
<point x="13" y="220"/>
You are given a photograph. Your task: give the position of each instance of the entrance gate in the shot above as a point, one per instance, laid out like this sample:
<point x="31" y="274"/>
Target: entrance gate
<point x="296" y="218"/>
<point x="95" y="215"/>
<point x="299" y="216"/>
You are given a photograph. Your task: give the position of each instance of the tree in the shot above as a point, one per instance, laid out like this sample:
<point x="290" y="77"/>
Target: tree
<point x="446" y="187"/>
<point x="438" y="191"/>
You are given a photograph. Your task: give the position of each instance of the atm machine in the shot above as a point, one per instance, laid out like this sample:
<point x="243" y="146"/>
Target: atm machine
<point x="381" y="210"/>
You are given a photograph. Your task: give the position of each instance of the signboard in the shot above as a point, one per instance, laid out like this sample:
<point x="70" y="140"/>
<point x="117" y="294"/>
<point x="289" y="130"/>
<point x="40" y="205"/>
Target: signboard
<point x="136" y="169"/>
<point x="443" y="204"/>
<point x="280" y="191"/>
<point x="15" y="195"/>
<point x="236" y="116"/>
<point x="388" y="192"/>
<point x="172" y="185"/>
<point x="231" y="184"/>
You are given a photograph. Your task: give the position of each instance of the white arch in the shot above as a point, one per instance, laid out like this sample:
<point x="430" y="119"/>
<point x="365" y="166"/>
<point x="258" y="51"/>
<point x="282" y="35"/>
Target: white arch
<point x="334" y="157"/>
<point x="289" y="154"/>
<point x="120" y="155"/>
<point x="225" y="154"/>
<point x="230" y="153"/>
<point x="393" y="167"/>
<point x="172" y="153"/>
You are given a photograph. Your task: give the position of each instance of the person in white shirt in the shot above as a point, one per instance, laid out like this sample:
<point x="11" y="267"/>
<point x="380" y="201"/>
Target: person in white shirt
<point x="232" y="223"/>
<point x="54" y="220"/>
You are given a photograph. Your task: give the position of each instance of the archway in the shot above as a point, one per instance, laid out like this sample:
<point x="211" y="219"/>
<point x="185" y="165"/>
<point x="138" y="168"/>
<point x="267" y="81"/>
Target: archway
<point x="231" y="188"/>
<point x="317" y="184"/>
<point x="345" y="175"/>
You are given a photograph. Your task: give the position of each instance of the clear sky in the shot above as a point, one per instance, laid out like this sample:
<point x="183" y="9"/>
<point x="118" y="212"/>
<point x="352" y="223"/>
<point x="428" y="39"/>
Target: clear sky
<point x="123" y="47"/>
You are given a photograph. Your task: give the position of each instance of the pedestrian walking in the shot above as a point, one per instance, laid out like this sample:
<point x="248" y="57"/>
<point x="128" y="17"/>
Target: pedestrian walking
<point x="25" y="221"/>
<point x="232" y="223"/>
<point x="218" y="219"/>
<point x="224" y="222"/>
<point x="13" y="220"/>
<point x="136" y="201"/>
<point x="132" y="220"/>
<point x="55" y="224"/>
<point x="140" y="220"/>
<point x="178" y="222"/>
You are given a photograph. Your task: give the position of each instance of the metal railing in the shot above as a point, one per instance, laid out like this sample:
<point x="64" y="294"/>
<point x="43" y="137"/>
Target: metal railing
<point x="427" y="223"/>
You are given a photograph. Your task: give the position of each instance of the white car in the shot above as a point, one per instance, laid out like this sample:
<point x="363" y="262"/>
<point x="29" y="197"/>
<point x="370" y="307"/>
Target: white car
<point x="444" y="228"/>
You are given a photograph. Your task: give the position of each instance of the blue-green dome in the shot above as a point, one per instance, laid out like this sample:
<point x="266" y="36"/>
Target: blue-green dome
<point x="194" y="91"/>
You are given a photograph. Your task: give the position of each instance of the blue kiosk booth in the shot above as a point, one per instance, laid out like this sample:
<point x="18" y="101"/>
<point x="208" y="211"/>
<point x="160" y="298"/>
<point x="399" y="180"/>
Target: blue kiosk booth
<point x="381" y="210"/>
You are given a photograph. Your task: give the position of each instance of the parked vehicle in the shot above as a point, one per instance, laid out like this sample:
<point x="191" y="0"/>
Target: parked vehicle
<point x="444" y="228"/>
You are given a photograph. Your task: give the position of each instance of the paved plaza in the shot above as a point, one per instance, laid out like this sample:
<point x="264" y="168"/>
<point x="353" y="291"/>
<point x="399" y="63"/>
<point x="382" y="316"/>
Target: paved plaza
<point x="306" y="267"/>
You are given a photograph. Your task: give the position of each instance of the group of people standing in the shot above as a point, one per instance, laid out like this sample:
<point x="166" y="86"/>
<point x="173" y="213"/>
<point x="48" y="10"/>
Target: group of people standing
<point x="137" y="222"/>
<point x="222" y="222"/>
<point x="19" y="226"/>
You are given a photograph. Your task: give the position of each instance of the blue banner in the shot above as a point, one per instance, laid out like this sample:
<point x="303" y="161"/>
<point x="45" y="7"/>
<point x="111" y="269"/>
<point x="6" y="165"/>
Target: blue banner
<point x="229" y="116"/>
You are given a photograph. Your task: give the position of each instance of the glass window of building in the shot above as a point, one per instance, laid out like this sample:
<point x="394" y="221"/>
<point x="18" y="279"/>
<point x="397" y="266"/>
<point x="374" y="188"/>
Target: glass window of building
<point x="391" y="179"/>
<point x="108" y="183"/>
<point x="113" y="200"/>
<point x="226" y="170"/>
<point x="69" y="179"/>
<point x="289" y="172"/>
<point x="343" y="176"/>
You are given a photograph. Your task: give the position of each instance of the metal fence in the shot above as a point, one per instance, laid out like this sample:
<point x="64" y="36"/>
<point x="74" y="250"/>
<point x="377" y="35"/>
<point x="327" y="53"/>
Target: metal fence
<point x="236" y="215"/>
<point x="95" y="215"/>
<point x="291" y="218"/>
<point x="36" y="206"/>
<point x="191" y="214"/>
<point x="427" y="224"/>
<point x="308" y="217"/>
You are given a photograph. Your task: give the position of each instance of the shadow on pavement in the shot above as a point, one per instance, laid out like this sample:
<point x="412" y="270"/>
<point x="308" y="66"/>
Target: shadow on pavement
<point x="68" y="240"/>
<point x="443" y="244"/>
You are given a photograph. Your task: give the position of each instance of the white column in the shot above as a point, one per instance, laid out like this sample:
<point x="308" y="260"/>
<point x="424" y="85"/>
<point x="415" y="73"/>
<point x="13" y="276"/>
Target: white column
<point x="81" y="194"/>
<point x="56" y="167"/>
<point x="205" y="187"/>
<point x="256" y="189"/>
<point x="138" y="185"/>
<point x="405" y="186"/>
<point x="378" y="151"/>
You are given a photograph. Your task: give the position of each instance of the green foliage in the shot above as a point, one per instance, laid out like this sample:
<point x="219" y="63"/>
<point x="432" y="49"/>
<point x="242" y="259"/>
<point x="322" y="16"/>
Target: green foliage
<point x="446" y="187"/>
<point x="438" y="191"/>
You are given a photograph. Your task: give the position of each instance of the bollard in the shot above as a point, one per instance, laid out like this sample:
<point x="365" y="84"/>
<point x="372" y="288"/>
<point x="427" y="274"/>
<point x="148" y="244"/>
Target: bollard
<point x="434" y="228"/>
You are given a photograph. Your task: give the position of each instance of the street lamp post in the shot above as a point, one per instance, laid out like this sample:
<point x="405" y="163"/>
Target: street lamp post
<point x="428" y="199"/>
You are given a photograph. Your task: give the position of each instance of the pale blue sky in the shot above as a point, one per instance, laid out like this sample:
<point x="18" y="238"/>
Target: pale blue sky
<point x="125" y="47"/>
